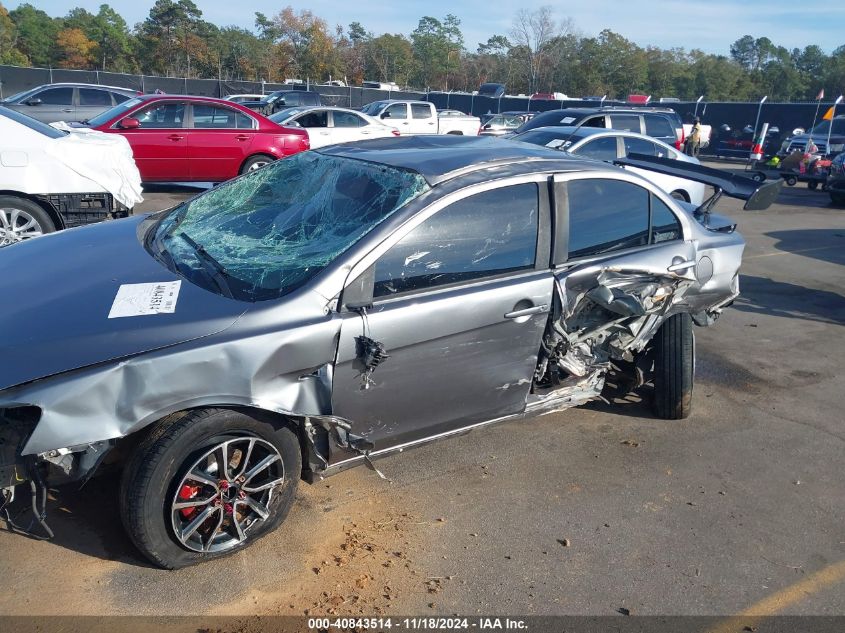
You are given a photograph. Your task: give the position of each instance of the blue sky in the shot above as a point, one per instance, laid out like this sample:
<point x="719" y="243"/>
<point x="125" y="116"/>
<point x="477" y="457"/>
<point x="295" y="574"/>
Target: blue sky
<point x="711" y="25"/>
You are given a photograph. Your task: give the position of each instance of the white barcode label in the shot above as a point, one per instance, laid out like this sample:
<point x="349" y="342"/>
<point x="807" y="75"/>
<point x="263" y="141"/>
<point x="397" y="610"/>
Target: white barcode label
<point x="143" y="299"/>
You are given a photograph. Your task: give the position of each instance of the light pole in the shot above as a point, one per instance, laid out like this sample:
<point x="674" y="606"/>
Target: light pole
<point x="759" y="109"/>
<point x="697" y="101"/>
<point x="830" y="127"/>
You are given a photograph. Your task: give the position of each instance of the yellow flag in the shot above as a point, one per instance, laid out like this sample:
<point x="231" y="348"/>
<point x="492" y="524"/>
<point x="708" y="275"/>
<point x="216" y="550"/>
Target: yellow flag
<point x="828" y="115"/>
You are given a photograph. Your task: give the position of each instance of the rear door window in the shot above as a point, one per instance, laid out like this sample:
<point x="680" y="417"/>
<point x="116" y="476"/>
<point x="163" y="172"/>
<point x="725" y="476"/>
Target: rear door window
<point x="347" y="119"/>
<point x="638" y="146"/>
<point x="606" y="215"/>
<point x="658" y="127"/>
<point x="483" y="235"/>
<point x="627" y="122"/>
<point x="93" y="97"/>
<point x="420" y="111"/>
<point x="213" y="117"/>
<point x="603" y="148"/>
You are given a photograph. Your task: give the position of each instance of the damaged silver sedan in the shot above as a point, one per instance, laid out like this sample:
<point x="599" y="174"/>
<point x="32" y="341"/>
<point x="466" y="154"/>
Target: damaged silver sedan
<point x="335" y="307"/>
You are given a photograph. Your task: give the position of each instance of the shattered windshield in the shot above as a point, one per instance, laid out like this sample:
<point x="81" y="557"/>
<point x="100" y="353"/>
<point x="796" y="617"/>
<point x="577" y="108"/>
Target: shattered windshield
<point x="265" y="234"/>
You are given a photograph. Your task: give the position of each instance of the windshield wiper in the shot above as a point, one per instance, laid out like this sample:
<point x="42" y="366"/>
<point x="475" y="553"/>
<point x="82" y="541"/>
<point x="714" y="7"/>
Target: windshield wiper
<point x="211" y="266"/>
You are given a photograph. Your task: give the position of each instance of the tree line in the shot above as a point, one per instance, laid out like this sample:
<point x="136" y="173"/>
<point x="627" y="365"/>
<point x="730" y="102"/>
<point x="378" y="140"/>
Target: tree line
<point x="538" y="54"/>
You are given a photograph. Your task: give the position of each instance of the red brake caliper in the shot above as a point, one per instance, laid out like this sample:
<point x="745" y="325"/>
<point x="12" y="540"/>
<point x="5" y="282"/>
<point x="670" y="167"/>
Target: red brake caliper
<point x="188" y="492"/>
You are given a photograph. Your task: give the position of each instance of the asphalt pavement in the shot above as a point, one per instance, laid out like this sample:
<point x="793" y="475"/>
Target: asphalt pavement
<point x="739" y="508"/>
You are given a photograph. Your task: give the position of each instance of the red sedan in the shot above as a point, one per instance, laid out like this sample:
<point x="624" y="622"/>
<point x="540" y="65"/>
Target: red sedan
<point x="177" y="138"/>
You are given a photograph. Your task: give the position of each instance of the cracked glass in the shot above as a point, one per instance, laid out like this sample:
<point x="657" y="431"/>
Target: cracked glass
<point x="265" y="234"/>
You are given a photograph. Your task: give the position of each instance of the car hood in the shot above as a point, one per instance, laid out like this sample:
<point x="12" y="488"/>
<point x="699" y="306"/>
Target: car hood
<point x="58" y="292"/>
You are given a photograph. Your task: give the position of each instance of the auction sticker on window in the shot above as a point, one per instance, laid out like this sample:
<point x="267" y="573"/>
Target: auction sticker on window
<point x="143" y="299"/>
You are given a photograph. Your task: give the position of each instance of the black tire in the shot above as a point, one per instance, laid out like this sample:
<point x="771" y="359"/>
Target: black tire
<point x="161" y="461"/>
<point x="837" y="199"/>
<point x="674" y="366"/>
<point x="27" y="208"/>
<point x="256" y="162"/>
<point x="792" y="181"/>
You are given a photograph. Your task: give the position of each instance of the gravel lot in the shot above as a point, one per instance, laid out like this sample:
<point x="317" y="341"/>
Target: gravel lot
<point x="738" y="508"/>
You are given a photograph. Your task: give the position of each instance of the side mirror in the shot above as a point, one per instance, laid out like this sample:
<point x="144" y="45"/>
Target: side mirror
<point x="34" y="101"/>
<point x="129" y="123"/>
<point x="486" y="126"/>
<point x="384" y="115"/>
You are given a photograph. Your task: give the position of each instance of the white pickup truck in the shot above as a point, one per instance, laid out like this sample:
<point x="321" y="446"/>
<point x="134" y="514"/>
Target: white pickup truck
<point x="420" y="117"/>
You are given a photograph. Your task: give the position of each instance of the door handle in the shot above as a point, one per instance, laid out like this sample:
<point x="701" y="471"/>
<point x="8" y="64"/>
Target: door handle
<point x="175" y="137"/>
<point x="682" y="265"/>
<point x="405" y="123"/>
<point x="540" y="309"/>
<point x="67" y="109"/>
<point x="364" y="132"/>
<point x="242" y="137"/>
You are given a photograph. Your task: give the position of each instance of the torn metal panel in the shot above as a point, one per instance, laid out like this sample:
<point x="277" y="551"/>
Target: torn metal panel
<point x="602" y="314"/>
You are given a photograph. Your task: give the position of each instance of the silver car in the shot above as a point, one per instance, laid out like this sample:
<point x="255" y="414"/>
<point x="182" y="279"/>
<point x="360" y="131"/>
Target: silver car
<point x="67" y="101"/>
<point x="335" y="307"/>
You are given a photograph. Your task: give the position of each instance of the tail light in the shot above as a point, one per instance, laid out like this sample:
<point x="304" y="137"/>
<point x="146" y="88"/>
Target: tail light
<point x="679" y="144"/>
<point x="395" y="132"/>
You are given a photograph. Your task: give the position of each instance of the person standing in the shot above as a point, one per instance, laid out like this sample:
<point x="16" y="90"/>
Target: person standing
<point x="693" y="144"/>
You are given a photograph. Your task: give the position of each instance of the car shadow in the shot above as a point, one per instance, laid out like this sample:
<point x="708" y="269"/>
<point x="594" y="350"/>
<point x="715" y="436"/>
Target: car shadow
<point x="823" y="244"/>
<point x="618" y="398"/>
<point x="86" y="521"/>
<point x="782" y="299"/>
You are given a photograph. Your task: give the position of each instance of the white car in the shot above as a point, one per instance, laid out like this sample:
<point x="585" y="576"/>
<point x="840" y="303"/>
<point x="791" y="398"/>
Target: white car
<point x="245" y="97"/>
<point x="608" y="145"/>
<point x="328" y="125"/>
<point x="53" y="179"/>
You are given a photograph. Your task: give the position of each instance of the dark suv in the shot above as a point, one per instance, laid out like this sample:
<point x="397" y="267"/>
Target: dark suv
<point x="282" y="99"/>
<point x="663" y="124"/>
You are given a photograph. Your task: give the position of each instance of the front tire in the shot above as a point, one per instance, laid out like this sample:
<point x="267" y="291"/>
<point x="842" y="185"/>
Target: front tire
<point x="674" y="368"/>
<point x="208" y="484"/>
<point x="22" y="219"/>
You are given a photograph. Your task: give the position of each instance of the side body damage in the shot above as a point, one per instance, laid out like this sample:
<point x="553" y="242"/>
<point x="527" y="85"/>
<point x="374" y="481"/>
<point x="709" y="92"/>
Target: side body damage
<point x="515" y="344"/>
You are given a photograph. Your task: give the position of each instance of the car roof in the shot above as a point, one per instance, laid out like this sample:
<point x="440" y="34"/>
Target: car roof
<point x="169" y="97"/>
<point x="83" y="85"/>
<point x="574" y="134"/>
<point x="438" y="158"/>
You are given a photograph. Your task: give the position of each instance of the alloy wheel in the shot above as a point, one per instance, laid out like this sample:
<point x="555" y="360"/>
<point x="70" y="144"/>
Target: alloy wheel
<point x="17" y="225"/>
<point x="226" y="493"/>
<point x="258" y="165"/>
